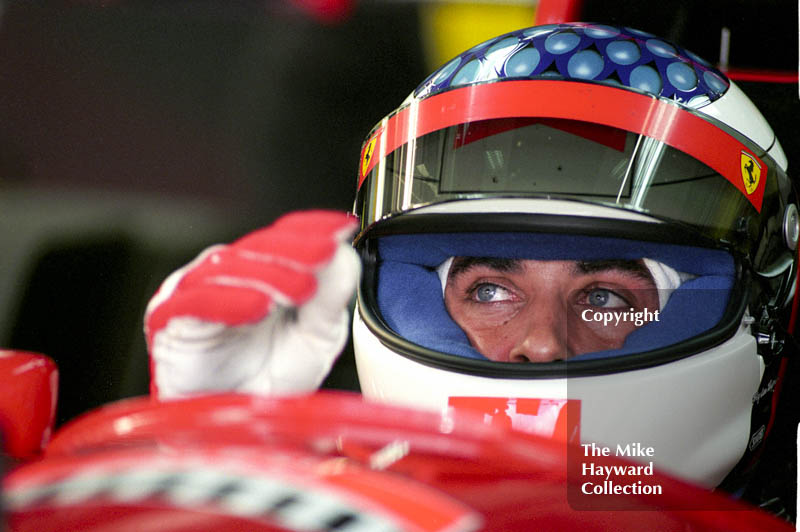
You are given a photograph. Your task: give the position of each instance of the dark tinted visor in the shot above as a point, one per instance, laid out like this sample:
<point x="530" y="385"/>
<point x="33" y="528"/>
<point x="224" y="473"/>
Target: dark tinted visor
<point x="711" y="186"/>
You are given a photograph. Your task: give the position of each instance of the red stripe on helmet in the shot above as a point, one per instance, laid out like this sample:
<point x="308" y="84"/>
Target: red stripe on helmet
<point x="600" y="104"/>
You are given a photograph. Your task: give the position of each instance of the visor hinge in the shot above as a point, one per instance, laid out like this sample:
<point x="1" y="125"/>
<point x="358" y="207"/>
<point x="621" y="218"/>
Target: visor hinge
<point x="769" y="341"/>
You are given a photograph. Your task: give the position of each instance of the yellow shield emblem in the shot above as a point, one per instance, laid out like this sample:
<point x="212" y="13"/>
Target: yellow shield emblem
<point x="751" y="172"/>
<point x="367" y="156"/>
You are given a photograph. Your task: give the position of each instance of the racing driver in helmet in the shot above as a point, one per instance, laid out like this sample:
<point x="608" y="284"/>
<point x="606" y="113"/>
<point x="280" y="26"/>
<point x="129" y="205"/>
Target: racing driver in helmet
<point x="565" y="214"/>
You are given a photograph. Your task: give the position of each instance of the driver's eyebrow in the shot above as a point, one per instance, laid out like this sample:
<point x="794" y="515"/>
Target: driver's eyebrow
<point x="632" y="267"/>
<point x="462" y="264"/>
<point x="635" y="268"/>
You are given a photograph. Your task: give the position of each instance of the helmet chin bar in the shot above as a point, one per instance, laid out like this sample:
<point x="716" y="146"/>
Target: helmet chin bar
<point x="698" y="432"/>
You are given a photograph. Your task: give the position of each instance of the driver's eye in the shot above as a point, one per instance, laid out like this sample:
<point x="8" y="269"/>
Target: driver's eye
<point x="490" y="292"/>
<point x="601" y="297"/>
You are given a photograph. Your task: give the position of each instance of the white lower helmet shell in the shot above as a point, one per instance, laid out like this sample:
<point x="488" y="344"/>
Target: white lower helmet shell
<point x="666" y="408"/>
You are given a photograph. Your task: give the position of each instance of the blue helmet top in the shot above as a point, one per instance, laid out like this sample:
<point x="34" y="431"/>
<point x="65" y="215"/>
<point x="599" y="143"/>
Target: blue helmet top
<point x="585" y="52"/>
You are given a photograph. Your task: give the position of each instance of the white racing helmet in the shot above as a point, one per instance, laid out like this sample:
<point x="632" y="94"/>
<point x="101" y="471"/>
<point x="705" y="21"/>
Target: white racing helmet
<point x="585" y="142"/>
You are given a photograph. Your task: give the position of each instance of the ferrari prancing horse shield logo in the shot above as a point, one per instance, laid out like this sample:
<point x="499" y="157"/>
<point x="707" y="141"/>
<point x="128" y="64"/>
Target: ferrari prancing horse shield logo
<point x="751" y="172"/>
<point x="367" y="157"/>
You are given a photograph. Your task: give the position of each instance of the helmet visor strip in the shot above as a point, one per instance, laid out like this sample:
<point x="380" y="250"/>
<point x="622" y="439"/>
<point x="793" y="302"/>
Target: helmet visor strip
<point x="659" y="159"/>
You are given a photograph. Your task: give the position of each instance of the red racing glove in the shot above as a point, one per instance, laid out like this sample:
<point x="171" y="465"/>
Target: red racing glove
<point x="266" y="314"/>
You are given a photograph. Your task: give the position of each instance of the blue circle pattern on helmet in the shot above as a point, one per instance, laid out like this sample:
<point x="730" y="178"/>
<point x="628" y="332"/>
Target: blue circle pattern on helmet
<point x="587" y="52"/>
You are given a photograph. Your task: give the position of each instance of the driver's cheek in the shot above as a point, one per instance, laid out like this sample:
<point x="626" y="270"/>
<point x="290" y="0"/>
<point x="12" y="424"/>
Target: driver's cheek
<point x="494" y="341"/>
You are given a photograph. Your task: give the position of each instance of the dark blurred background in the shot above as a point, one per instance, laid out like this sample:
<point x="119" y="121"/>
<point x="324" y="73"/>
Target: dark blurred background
<point x="135" y="133"/>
